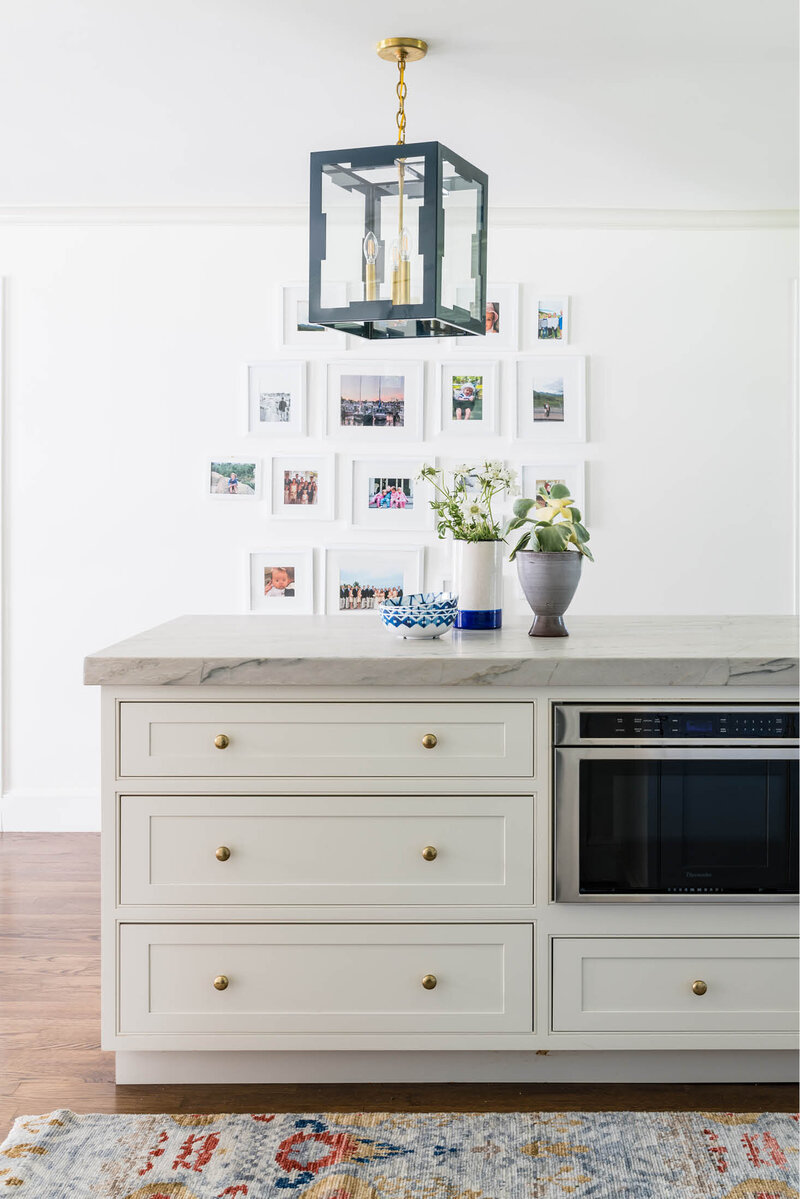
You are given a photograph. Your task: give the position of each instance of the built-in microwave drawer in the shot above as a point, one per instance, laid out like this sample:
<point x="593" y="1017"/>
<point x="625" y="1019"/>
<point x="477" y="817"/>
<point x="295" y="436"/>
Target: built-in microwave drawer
<point x="200" y="979"/>
<point x="258" y="849"/>
<point x="675" y="984"/>
<point x="286" y="739"/>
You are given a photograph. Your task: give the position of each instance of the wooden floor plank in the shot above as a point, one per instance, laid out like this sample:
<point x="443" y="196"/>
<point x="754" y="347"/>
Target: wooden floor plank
<point x="50" y="1053"/>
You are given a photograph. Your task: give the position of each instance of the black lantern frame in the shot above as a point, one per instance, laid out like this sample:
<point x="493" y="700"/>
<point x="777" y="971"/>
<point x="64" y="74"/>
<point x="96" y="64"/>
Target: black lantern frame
<point x="382" y="318"/>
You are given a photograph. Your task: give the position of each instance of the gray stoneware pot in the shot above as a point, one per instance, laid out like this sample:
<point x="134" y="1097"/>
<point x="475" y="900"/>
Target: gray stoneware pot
<point x="549" y="581"/>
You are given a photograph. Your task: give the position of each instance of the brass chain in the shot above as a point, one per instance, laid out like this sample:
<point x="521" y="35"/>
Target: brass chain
<point x="402" y="92"/>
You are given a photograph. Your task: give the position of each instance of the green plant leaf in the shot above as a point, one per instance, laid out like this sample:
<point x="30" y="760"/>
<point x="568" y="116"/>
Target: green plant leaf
<point x="523" y="506"/>
<point x="552" y="538"/>
<point x="521" y="545"/>
<point x="587" y="553"/>
<point x="559" y="491"/>
<point x="580" y="532"/>
<point x="576" y="513"/>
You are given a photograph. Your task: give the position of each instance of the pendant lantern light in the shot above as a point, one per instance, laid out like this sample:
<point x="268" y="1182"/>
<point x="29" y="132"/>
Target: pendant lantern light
<point x="397" y="236"/>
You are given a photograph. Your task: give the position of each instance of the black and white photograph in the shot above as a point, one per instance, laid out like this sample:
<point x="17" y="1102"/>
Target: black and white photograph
<point x="386" y="494"/>
<point x="551" y="398"/>
<point x="231" y="478"/>
<point x="359" y="578"/>
<point x="380" y="400"/>
<point x="281" y="581"/>
<point x="276" y="398"/>
<point x="303" y="486"/>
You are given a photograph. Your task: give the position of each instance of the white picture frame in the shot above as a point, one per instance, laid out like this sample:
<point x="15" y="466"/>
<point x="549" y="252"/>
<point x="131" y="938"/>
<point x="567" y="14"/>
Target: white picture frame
<point x="219" y="484"/>
<point x="398" y="514"/>
<point x="483" y="377"/>
<point x="551" y="321"/>
<point x="281" y="381"/>
<point x="323" y="506"/>
<point x="298" y="564"/>
<point x="572" y="473"/>
<point x="551" y="398"/>
<point x="378" y="567"/>
<point x="504" y="299"/>
<point x="293" y="306"/>
<point x="364" y="396"/>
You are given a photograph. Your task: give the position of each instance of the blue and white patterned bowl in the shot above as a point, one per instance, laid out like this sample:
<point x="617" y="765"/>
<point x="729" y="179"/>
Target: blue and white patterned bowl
<point x="428" y="614"/>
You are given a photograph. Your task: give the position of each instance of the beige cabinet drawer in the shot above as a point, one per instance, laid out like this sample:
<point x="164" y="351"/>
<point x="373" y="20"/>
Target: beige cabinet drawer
<point x="324" y="979"/>
<point x="644" y="984"/>
<point x="321" y="849"/>
<point x="326" y="739"/>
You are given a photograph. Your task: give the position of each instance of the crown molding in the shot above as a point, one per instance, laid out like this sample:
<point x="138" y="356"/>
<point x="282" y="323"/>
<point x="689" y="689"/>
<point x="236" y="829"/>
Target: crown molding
<point x="500" y="217"/>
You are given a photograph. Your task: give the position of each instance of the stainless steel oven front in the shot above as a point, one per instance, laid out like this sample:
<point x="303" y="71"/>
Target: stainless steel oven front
<point x="671" y="803"/>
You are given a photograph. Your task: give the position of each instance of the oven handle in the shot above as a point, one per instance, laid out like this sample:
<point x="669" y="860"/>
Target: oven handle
<point x="670" y="753"/>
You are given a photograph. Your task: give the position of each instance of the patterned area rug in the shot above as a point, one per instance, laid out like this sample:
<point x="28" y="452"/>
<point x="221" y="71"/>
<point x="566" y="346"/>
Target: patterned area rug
<point x="368" y="1155"/>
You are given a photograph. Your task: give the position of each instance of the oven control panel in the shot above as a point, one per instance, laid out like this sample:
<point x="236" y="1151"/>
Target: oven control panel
<point x="749" y="724"/>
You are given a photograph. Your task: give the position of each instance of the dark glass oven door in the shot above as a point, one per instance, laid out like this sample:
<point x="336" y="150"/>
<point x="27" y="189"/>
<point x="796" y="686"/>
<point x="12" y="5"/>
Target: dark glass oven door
<point x="676" y="824"/>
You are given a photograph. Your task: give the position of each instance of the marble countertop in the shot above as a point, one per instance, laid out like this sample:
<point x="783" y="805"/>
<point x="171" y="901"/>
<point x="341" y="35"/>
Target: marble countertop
<point x="352" y="650"/>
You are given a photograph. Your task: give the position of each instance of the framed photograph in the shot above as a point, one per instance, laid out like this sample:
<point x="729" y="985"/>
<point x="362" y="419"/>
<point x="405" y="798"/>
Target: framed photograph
<point x="358" y="577"/>
<point x="281" y="582"/>
<point x="381" y="400"/>
<point x="535" y="479"/>
<point x="551" y="398"/>
<point x="552" y="320"/>
<point x="303" y="486"/>
<point x="231" y="479"/>
<point x="469" y="397"/>
<point x="295" y="327"/>
<point x="502" y="320"/>
<point x="386" y="495"/>
<point x="276" y="398"/>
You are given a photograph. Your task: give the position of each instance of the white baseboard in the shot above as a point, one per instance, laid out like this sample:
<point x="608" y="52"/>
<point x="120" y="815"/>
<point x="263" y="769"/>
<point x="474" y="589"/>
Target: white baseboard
<point x="50" y="810"/>
<point x="637" y="1066"/>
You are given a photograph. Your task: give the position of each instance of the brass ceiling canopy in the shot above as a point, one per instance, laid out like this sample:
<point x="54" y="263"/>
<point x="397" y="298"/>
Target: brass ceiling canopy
<point x="402" y="49"/>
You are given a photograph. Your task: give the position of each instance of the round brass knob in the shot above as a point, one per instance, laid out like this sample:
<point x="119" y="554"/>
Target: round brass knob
<point x="222" y="741"/>
<point x="429" y="982"/>
<point x="430" y="853"/>
<point x="222" y="853"/>
<point x="699" y="987"/>
<point x="221" y="982"/>
<point x="430" y="741"/>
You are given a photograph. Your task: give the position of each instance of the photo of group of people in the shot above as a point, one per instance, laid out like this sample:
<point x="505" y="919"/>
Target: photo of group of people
<point x="551" y="319"/>
<point x="390" y="493"/>
<point x="375" y="401"/>
<point x="467" y="397"/>
<point x="300" y="487"/>
<point x="364" y="593"/>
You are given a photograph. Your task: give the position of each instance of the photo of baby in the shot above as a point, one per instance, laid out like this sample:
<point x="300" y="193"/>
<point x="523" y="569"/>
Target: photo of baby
<point x="279" y="581"/>
<point x="467" y="397"/>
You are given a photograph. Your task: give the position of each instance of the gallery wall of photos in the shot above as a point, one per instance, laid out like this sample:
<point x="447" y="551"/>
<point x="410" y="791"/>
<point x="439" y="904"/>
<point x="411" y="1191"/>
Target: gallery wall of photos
<point x="334" y="431"/>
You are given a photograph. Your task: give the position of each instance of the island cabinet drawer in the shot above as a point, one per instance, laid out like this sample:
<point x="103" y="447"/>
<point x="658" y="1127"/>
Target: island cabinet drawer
<point x="240" y="979"/>
<point x="207" y="849"/>
<point x="680" y="984"/>
<point x="435" y="740"/>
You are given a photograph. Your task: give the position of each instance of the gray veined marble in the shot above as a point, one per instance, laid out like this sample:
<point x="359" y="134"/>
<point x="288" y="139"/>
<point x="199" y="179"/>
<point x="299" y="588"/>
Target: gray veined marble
<point x="354" y="650"/>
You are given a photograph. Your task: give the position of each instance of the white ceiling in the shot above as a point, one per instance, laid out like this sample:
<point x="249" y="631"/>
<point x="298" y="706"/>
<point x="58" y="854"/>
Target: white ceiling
<point x="566" y="103"/>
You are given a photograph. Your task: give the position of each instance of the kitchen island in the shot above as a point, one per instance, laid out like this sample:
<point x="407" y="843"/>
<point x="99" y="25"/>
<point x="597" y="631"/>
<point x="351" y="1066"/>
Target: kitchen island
<point x="328" y="854"/>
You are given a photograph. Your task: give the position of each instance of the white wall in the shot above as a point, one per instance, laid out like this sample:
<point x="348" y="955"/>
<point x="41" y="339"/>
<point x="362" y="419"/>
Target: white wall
<point x="124" y="351"/>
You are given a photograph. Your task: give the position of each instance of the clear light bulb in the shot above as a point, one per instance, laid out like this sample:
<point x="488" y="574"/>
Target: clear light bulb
<point x="394" y="254"/>
<point x="405" y="244"/>
<point x="371" y="248"/>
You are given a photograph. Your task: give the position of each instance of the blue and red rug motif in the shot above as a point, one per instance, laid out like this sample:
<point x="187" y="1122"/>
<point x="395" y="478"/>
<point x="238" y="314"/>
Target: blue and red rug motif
<point x="379" y="1155"/>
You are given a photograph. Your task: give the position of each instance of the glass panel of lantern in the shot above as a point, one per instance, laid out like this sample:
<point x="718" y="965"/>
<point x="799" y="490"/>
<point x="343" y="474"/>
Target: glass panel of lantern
<point x="397" y="242"/>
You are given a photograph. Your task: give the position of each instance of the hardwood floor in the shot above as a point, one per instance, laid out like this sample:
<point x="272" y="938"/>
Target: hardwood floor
<point x="50" y="1008"/>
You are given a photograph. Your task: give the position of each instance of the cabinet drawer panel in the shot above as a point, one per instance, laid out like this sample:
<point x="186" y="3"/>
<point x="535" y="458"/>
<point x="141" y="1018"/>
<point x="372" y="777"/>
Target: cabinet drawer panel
<point x="644" y="984"/>
<point x="325" y="739"/>
<point x="325" y="979"/>
<point x="320" y="850"/>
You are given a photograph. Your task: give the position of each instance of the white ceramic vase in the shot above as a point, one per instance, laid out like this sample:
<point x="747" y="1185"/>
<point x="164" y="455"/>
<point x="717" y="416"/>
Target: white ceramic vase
<point x="478" y="582"/>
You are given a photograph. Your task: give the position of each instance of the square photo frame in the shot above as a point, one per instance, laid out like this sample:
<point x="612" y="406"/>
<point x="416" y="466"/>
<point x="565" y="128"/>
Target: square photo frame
<point x="280" y="581"/>
<point x="551" y="398"/>
<point x="358" y="577"/>
<point x="387" y="496"/>
<point x="502" y="321"/>
<point x="545" y="474"/>
<point x="276" y="398"/>
<point x="552" y="321"/>
<point x="469" y="397"/>
<point x="303" y="486"/>
<point x="233" y="477"/>
<point x="376" y="400"/>
<point x="296" y="330"/>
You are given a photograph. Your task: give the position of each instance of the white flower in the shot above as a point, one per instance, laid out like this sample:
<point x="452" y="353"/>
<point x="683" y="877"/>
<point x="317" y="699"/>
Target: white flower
<point x="475" y="511"/>
<point x="461" y="469"/>
<point x="493" y="469"/>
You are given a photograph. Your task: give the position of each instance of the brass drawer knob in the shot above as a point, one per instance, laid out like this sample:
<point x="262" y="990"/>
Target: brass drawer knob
<point x="429" y="982"/>
<point x="430" y="741"/>
<point x="430" y="853"/>
<point x="221" y="982"/>
<point x="699" y="987"/>
<point x="222" y="741"/>
<point x="222" y="853"/>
